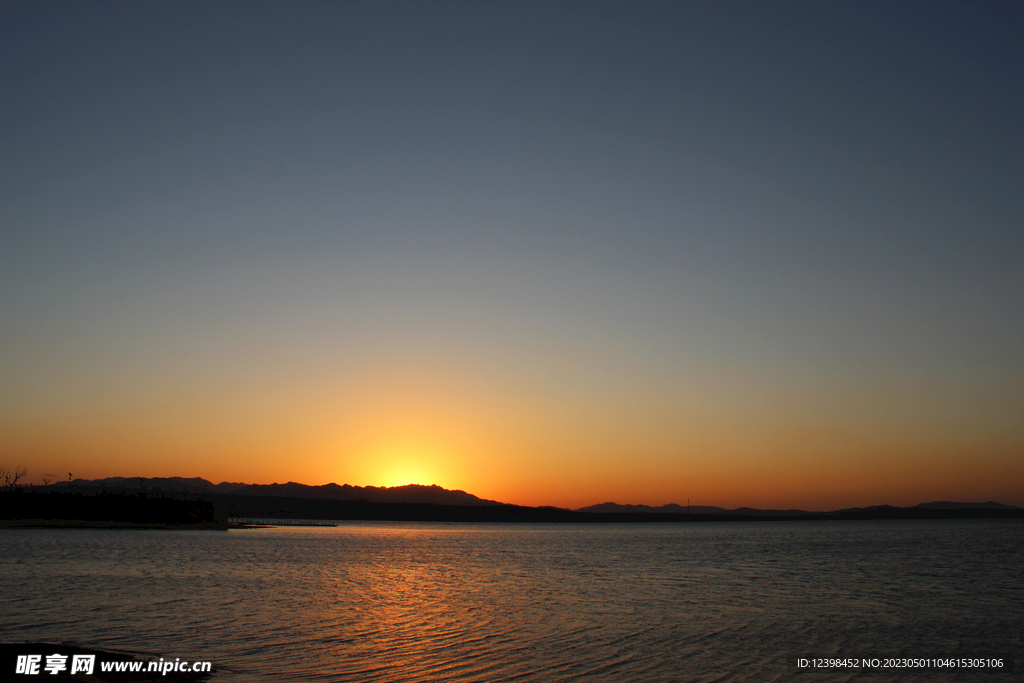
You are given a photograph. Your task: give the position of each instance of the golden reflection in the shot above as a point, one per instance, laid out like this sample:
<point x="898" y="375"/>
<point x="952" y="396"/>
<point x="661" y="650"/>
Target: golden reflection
<point x="403" y="596"/>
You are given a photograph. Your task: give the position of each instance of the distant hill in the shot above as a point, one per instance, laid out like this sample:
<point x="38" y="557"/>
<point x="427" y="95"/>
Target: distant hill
<point x="946" y="505"/>
<point x="672" y="508"/>
<point x="412" y="493"/>
<point x="417" y="494"/>
<point x="924" y="507"/>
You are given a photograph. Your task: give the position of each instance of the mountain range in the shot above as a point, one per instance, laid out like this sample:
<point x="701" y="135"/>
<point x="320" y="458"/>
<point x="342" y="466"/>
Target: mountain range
<point x="435" y="495"/>
<point x="674" y="509"/>
<point x="412" y="493"/>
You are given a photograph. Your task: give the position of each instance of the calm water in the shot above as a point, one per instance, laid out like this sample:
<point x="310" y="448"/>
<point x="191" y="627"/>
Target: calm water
<point x="414" y="602"/>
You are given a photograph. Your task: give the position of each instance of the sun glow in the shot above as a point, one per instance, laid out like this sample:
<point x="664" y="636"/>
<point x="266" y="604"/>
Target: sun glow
<point x="402" y="475"/>
<point x="402" y="464"/>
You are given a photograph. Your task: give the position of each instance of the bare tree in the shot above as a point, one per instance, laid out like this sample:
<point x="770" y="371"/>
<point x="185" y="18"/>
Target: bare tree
<point x="11" y="477"/>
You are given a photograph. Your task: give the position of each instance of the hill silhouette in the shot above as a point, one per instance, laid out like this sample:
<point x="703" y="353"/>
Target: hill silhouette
<point x="674" y="509"/>
<point x="433" y="503"/>
<point x="410" y="493"/>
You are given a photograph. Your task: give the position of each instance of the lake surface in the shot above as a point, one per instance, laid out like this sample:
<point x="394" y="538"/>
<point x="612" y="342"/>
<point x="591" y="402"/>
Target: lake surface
<point x="461" y="602"/>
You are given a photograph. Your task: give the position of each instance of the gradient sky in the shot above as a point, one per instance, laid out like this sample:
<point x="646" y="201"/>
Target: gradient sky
<point x="742" y="253"/>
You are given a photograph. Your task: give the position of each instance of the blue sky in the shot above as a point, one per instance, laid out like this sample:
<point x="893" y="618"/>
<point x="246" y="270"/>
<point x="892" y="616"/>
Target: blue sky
<point x="633" y="239"/>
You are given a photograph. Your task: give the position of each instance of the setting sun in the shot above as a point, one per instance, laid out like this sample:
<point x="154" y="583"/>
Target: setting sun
<point x="399" y="464"/>
<point x="402" y="475"/>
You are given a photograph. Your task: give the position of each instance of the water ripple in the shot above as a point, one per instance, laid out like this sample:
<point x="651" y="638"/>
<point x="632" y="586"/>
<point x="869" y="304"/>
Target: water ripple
<point x="406" y="602"/>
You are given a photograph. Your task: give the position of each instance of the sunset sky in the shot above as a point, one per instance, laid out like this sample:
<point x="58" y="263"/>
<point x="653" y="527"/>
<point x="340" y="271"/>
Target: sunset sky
<point x="550" y="253"/>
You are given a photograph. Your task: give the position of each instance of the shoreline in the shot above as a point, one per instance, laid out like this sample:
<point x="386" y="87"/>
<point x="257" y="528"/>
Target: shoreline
<point x="104" y="524"/>
<point x="270" y="522"/>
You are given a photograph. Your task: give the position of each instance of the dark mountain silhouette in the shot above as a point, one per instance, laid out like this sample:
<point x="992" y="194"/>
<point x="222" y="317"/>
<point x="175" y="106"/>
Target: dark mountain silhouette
<point x="417" y="502"/>
<point x="674" y="509"/>
<point x="412" y="493"/>
<point x="947" y="505"/>
<point x="670" y="508"/>
<point x="937" y="507"/>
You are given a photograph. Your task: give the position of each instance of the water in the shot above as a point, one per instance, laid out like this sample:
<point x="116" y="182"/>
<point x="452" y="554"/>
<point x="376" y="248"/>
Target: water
<point x="460" y="602"/>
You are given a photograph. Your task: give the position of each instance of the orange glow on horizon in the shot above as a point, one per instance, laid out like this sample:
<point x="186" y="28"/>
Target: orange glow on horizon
<point x="398" y="462"/>
<point x="515" y="448"/>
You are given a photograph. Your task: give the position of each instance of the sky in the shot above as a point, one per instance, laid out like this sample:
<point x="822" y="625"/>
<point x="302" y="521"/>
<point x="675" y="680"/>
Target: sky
<point x="737" y="253"/>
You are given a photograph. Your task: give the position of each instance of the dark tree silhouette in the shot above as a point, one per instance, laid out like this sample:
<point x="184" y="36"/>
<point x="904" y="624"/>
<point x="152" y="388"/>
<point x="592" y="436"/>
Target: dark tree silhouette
<point x="11" y="477"/>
